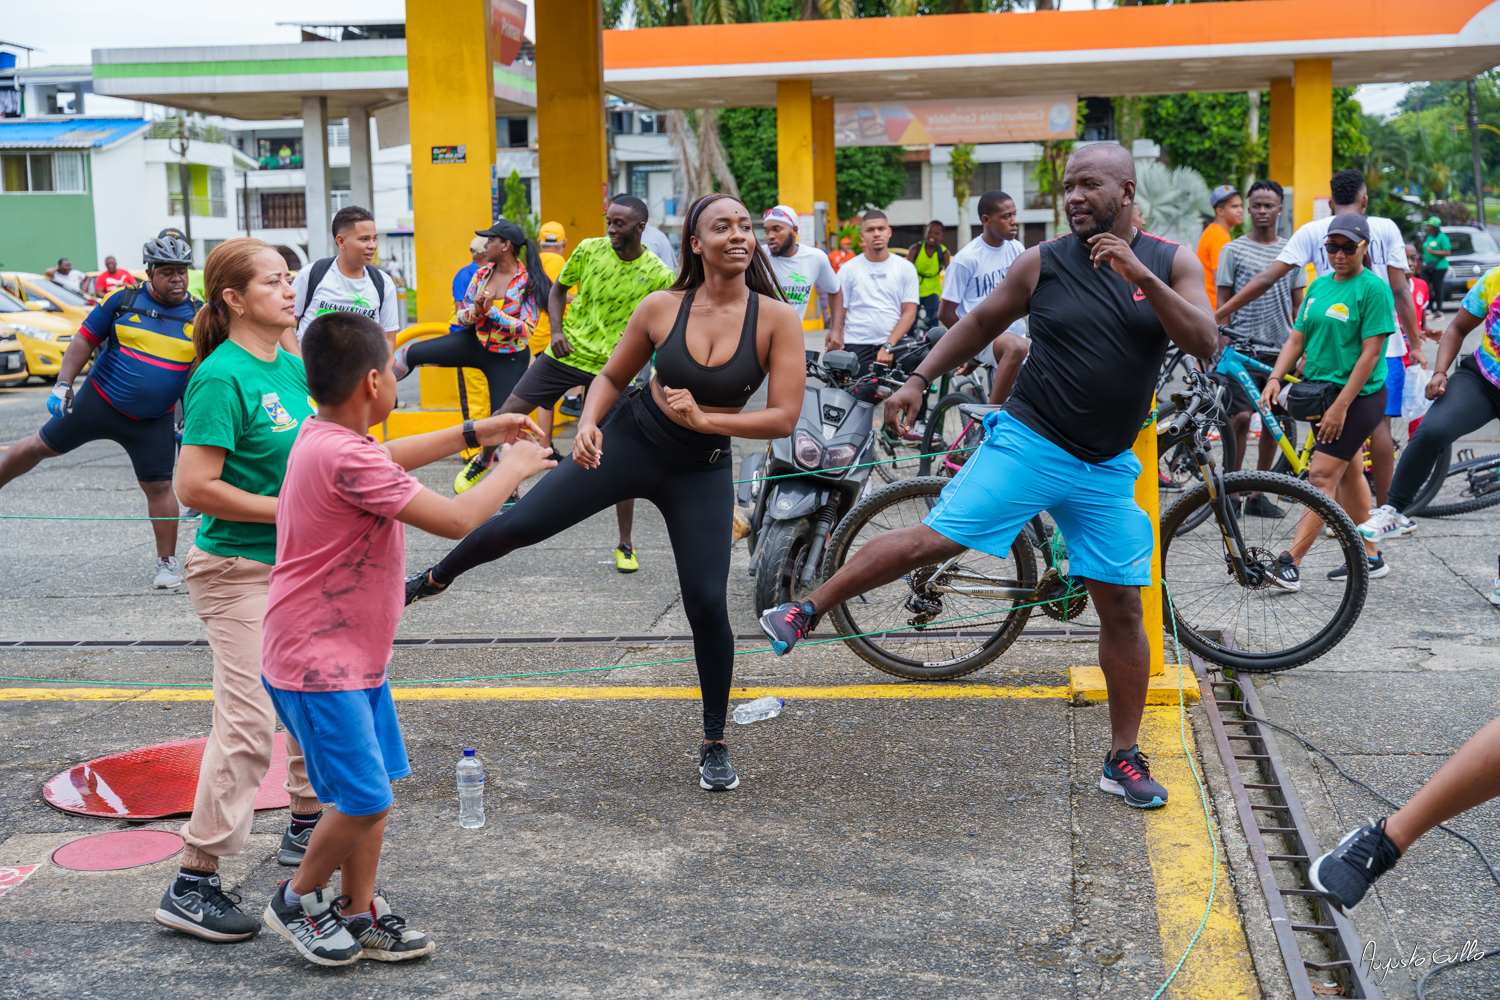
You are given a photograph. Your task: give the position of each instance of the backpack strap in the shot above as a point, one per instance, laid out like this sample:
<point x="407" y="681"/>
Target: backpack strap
<point x="315" y="275"/>
<point x="376" y="275"/>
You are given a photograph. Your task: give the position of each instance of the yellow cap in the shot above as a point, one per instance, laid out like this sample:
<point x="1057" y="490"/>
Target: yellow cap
<point x="551" y="232"/>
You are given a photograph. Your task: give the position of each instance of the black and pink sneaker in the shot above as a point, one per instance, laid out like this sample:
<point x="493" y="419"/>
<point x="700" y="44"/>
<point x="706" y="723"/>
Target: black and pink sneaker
<point x="1127" y="773"/>
<point x="785" y="624"/>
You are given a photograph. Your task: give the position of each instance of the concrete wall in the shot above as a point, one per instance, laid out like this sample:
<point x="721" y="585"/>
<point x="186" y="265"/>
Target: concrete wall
<point x="37" y="229"/>
<point x="120" y="200"/>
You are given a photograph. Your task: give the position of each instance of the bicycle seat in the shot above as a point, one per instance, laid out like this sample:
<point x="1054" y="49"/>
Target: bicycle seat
<point x="978" y="410"/>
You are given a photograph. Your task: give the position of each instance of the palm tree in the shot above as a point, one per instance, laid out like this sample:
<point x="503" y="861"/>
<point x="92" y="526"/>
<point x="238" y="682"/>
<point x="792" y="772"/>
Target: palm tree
<point x="1174" y="201"/>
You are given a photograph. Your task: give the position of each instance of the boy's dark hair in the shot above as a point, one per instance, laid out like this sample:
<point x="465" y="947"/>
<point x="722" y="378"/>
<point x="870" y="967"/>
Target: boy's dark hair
<point x="1345" y="186"/>
<point x="345" y="218"/>
<point x="633" y="203"/>
<point x="873" y="214"/>
<point x="992" y="200"/>
<point x="1270" y="186"/>
<point x="338" y="351"/>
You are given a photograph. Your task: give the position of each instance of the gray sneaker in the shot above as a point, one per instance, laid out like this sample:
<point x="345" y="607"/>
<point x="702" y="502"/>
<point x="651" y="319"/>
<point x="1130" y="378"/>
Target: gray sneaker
<point x="207" y="912"/>
<point x="168" y="573"/>
<point x="385" y="936"/>
<point x="293" y="848"/>
<point x="316" y="927"/>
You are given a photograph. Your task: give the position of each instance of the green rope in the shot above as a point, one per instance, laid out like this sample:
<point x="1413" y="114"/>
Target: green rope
<point x="1202" y="798"/>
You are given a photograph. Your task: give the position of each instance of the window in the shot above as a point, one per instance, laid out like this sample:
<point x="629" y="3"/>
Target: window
<point x="986" y="178"/>
<point x="283" y="210"/>
<point x="913" y="187"/>
<point x="648" y="124"/>
<point x="340" y="199"/>
<point x="408" y="187"/>
<point x="640" y="184"/>
<point x="217" y="206"/>
<point x="279" y="153"/>
<point x="338" y="134"/>
<point x="517" y="133"/>
<point x="57" y="173"/>
<point x="619" y="122"/>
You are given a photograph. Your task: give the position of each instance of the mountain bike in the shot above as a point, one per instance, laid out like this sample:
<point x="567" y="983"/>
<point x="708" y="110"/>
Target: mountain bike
<point x="1452" y="488"/>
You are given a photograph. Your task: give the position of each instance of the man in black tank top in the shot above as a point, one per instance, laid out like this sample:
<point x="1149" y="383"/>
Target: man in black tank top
<point x="1103" y="301"/>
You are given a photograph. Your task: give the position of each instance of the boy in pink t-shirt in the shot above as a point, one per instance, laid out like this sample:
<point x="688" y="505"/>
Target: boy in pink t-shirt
<point x="336" y="595"/>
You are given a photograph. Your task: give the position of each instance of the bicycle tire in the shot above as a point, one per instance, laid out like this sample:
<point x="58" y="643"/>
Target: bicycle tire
<point x="848" y="622"/>
<point x="936" y="438"/>
<point x="1175" y="460"/>
<point x="1182" y="603"/>
<point x="1468" y="506"/>
<point x="1432" y="485"/>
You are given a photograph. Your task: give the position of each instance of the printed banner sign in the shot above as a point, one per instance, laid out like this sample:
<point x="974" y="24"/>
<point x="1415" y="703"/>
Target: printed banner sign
<point x="449" y="154"/>
<point x="943" y="123"/>
<point x="507" y="22"/>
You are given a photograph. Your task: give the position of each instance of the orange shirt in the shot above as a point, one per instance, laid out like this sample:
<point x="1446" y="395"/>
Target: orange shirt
<point x="1210" y="243"/>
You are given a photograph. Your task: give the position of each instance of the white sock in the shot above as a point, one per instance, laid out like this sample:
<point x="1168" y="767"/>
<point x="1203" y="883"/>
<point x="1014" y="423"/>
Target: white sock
<point x="289" y="897"/>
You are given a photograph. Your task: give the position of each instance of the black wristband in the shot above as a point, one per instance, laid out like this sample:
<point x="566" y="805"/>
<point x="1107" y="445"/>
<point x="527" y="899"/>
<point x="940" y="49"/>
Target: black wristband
<point x="926" y="382"/>
<point x="470" y="438"/>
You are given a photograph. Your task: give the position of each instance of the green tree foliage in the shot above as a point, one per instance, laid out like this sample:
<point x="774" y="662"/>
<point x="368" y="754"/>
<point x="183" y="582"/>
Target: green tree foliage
<point x="868" y="177"/>
<point x="517" y="208"/>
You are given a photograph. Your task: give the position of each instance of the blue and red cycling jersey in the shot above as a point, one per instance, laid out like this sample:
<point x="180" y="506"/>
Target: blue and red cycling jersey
<point x="147" y="351"/>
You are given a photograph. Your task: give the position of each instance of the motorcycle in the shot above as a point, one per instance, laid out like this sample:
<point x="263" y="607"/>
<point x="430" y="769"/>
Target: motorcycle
<point x="800" y="486"/>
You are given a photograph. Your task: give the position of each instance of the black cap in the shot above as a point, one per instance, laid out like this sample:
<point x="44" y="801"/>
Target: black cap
<point x="1351" y="224"/>
<point x="505" y="230"/>
<point x="170" y="231"/>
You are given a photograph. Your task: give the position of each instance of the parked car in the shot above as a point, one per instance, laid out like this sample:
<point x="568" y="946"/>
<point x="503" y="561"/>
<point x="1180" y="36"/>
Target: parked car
<point x="41" y="293"/>
<point x="1474" y="252"/>
<point x="12" y="358"/>
<point x="42" y="334"/>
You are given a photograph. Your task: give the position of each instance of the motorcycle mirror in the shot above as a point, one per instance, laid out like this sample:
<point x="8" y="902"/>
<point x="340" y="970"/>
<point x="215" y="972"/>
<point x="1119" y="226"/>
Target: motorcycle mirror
<point x="812" y="357"/>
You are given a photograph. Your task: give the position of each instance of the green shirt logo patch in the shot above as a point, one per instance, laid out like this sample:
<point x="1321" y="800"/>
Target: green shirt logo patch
<point x="280" y="419"/>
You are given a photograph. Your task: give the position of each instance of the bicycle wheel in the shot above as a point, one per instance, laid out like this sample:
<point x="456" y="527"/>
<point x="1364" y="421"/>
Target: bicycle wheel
<point x="1469" y="484"/>
<point x="898" y="455"/>
<point x="1261" y="628"/>
<point x="1178" y="471"/>
<point x="887" y="627"/>
<point x="1431" y="485"/>
<point x="946" y="432"/>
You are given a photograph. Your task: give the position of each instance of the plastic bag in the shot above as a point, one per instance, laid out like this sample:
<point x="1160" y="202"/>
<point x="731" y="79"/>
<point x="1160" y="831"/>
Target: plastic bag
<point x="1414" y="401"/>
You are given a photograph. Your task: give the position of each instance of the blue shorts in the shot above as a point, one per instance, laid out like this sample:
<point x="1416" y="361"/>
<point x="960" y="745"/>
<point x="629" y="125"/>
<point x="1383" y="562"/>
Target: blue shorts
<point x="1017" y="473"/>
<point x="350" y="742"/>
<point x="1395" y="382"/>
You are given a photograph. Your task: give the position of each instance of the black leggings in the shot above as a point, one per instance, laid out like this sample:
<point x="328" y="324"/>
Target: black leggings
<point x="1468" y="403"/>
<point x="695" y="498"/>
<point x="463" y="350"/>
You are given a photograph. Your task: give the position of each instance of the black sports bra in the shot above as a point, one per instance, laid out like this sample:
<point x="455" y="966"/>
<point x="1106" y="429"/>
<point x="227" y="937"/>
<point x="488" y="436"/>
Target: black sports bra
<point x="728" y="385"/>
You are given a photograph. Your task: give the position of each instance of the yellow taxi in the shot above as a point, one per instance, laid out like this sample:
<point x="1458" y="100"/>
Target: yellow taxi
<point x="42" y="335"/>
<point x="41" y="293"/>
<point x="12" y="358"/>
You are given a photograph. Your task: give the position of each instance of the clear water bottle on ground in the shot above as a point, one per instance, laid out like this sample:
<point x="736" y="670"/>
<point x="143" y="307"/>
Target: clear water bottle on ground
<point x="758" y="710"/>
<point x="470" y="791"/>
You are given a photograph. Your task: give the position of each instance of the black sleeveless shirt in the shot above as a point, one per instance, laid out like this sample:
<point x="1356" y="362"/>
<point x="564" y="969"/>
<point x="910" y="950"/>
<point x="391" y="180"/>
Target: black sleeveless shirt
<point x="728" y="385"/>
<point x="1096" y="350"/>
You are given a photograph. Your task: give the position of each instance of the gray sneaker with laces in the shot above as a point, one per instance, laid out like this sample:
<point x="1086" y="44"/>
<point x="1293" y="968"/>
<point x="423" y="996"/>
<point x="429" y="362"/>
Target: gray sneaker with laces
<point x="315" y="926"/>
<point x="293" y="848"/>
<point x="168" y="573"/>
<point x="385" y="936"/>
<point x="207" y="912"/>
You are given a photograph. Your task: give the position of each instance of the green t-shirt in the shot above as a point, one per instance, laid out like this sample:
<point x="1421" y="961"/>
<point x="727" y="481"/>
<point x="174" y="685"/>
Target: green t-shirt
<point x="252" y="408"/>
<point x="1336" y="319"/>
<point x="609" y="289"/>
<point x="929" y="271"/>
<point x="1437" y="241"/>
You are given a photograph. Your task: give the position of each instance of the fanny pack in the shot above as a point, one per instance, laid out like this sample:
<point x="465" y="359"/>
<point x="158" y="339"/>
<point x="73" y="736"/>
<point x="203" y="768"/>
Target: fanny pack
<point x="1307" y="400"/>
<point x="658" y="435"/>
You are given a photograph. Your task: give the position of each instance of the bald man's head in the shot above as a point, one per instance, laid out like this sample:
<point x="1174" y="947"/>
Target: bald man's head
<point x="1098" y="190"/>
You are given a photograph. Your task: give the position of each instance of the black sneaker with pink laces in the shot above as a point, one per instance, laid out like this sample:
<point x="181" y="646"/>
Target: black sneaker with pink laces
<point x="1127" y="773"/>
<point x="786" y="624"/>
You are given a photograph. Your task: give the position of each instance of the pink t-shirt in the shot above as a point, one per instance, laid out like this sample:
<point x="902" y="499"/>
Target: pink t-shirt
<point x="337" y="587"/>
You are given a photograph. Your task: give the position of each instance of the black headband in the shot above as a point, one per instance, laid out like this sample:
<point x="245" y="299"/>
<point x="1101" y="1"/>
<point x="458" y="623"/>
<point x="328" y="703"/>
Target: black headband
<point x="703" y="203"/>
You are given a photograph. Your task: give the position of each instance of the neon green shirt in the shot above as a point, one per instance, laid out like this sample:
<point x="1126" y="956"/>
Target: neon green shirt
<point x="929" y="271"/>
<point x="609" y="289"/>
<point x="1336" y="319"/>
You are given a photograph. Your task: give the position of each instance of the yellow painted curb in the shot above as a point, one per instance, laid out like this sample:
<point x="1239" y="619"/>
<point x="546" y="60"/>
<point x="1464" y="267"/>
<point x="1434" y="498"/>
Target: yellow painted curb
<point x="1177" y="843"/>
<point x="1087" y="684"/>
<point x="948" y="692"/>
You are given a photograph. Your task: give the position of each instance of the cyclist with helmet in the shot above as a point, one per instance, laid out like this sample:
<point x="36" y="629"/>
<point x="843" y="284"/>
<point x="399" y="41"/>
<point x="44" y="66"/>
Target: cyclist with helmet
<point x="144" y="336"/>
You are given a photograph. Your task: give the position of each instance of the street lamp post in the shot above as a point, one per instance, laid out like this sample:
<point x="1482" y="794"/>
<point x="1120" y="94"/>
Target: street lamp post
<point x="1474" y="145"/>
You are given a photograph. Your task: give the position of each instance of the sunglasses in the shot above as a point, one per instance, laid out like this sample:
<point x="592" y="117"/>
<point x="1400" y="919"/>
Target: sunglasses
<point x="1347" y="249"/>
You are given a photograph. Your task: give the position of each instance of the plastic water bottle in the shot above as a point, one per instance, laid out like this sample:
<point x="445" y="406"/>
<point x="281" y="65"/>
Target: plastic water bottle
<point x="760" y="709"/>
<point x="470" y="791"/>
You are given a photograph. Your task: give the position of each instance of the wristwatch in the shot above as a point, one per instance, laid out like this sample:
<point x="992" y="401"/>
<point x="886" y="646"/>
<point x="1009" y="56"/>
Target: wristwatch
<point x="470" y="438"/>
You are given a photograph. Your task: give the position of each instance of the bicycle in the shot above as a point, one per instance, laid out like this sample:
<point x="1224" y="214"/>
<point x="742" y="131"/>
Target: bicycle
<point x="1217" y="578"/>
<point x="1470" y="484"/>
<point x="902" y="452"/>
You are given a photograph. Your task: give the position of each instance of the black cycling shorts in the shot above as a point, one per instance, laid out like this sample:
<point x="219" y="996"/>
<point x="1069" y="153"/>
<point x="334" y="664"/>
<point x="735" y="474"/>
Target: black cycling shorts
<point x="151" y="444"/>
<point x="548" y="380"/>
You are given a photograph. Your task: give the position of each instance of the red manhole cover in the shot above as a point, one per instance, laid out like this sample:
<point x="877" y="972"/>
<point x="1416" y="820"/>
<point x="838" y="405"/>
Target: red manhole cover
<point x="151" y="782"/>
<point x="122" y="849"/>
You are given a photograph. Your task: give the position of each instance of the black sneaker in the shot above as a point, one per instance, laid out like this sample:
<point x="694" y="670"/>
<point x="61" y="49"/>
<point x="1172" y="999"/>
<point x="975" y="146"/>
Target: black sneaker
<point x="785" y="624"/>
<point x="207" y="912"/>
<point x="1344" y="874"/>
<point x="293" y="846"/>
<point x="419" y="587"/>
<point x="1127" y="773"/>
<point x="316" y="927"/>
<point x="1283" y="573"/>
<point x="715" y="772"/>
<point x="572" y="406"/>
<point x="1259" y="506"/>
<point x="1378" y="568"/>
<point x="385" y="937"/>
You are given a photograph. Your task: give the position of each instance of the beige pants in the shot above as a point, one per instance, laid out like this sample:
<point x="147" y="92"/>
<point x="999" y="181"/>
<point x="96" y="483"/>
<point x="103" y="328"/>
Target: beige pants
<point x="229" y="595"/>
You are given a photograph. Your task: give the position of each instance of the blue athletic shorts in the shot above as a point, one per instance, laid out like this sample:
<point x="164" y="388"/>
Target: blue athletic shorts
<point x="350" y="742"/>
<point x="1016" y="473"/>
<point x="1395" y="382"/>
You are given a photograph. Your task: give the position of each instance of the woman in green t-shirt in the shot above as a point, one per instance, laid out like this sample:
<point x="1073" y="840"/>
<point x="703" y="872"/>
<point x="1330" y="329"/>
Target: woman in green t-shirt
<point x="1341" y="331"/>
<point x="242" y="408"/>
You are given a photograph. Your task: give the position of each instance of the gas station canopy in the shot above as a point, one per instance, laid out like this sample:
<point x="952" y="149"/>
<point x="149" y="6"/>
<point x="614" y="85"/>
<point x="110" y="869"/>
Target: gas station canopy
<point x="1124" y="51"/>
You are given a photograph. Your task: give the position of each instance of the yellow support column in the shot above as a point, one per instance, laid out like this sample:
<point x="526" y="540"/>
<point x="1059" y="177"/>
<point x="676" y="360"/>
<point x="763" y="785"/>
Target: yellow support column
<point x="1312" y="162"/>
<point x="794" y="145"/>
<point x="1283" y="134"/>
<point x="1147" y="495"/>
<point x="451" y="90"/>
<point x="825" y="172"/>
<point x="571" y="152"/>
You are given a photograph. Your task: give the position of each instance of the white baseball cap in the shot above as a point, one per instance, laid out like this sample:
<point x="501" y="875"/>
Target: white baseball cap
<point x="780" y="213"/>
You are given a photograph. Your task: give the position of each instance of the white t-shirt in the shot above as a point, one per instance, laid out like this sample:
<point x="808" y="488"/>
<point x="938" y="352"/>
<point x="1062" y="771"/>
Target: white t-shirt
<point x="802" y="271"/>
<point x="1387" y="249"/>
<point x="72" y="281"/>
<point x="977" y="270"/>
<point x="657" y="242"/>
<point x="873" y="296"/>
<point x="336" y="293"/>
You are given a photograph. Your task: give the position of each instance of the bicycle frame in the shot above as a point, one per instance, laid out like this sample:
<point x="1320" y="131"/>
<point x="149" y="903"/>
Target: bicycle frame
<point x="996" y="588"/>
<point x="1238" y="367"/>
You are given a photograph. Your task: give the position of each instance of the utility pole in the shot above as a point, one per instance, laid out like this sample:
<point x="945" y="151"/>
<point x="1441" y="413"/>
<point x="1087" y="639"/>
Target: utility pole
<point x="1474" y="144"/>
<point x="1252" y="135"/>
<point x="179" y="146"/>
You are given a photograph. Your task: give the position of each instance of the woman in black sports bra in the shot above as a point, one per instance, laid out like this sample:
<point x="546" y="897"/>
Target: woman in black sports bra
<point x="716" y="334"/>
